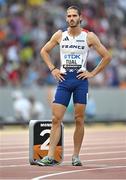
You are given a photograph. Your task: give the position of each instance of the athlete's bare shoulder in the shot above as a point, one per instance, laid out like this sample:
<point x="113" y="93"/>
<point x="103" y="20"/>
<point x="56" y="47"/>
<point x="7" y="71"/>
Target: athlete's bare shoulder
<point x="92" y="38"/>
<point x="54" y="41"/>
<point x="57" y="36"/>
<point x="95" y="42"/>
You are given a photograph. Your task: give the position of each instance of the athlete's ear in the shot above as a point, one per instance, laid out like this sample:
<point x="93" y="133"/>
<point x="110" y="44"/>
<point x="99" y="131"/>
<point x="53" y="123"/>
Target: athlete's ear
<point x="81" y="18"/>
<point x="66" y="19"/>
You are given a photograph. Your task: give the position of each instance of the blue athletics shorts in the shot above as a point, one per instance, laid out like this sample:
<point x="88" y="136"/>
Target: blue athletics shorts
<point x="71" y="86"/>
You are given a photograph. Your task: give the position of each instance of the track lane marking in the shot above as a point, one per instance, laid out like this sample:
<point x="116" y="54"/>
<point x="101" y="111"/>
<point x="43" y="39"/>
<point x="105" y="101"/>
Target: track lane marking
<point x="93" y="148"/>
<point x="67" y="145"/>
<point x="75" y="171"/>
<point x="66" y="162"/>
<point x="16" y="143"/>
<point x="97" y="153"/>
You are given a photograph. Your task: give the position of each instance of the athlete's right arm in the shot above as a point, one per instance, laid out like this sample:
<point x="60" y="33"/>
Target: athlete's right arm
<point x="55" y="39"/>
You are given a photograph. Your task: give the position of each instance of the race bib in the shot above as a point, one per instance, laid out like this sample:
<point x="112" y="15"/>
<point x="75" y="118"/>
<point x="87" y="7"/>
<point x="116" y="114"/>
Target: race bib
<point x="72" y="62"/>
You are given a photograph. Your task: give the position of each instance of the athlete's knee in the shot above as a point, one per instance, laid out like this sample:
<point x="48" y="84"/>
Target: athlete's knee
<point x="79" y="119"/>
<point x="56" y="120"/>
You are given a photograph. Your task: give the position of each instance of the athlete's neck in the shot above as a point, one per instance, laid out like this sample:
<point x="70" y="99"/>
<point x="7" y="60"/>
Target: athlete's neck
<point x="74" y="31"/>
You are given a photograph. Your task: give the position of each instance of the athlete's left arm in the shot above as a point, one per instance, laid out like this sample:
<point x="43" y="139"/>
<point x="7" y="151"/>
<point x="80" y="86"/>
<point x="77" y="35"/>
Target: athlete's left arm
<point x="94" y="41"/>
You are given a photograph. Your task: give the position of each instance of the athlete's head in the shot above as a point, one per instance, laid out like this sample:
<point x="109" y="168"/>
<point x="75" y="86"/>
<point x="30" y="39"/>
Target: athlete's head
<point x="73" y="16"/>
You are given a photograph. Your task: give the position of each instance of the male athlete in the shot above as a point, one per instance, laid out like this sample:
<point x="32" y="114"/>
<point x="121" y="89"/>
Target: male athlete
<point x="72" y="78"/>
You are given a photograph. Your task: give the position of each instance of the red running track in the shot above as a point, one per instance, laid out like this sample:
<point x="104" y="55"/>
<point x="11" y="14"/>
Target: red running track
<point x="103" y="155"/>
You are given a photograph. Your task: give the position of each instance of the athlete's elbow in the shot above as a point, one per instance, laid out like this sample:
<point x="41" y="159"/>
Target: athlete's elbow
<point x="108" y="57"/>
<point x="42" y="51"/>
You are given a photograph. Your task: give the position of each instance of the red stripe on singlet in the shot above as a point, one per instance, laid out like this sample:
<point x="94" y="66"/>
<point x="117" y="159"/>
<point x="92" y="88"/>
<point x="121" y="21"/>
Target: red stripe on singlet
<point x="85" y="30"/>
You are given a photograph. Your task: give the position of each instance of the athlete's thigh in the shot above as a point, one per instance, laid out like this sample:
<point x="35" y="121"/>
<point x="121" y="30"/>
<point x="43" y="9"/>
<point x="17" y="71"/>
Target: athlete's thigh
<point x="62" y="96"/>
<point x="79" y="96"/>
<point x="79" y="110"/>
<point x="80" y="93"/>
<point x="58" y="110"/>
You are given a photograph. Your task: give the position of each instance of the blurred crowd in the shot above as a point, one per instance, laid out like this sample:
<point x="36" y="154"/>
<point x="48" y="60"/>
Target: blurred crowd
<point x="26" y="25"/>
<point x="26" y="108"/>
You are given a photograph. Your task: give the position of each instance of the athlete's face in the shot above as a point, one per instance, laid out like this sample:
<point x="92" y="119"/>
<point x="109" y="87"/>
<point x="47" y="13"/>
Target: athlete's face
<point x="73" y="19"/>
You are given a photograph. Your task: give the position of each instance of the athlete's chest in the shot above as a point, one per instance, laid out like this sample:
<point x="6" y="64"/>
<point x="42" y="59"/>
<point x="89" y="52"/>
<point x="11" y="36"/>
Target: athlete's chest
<point x="72" y="44"/>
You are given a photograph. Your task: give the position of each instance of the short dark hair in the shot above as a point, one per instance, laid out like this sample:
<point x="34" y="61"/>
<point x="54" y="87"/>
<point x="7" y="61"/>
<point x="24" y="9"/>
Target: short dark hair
<point x="76" y="8"/>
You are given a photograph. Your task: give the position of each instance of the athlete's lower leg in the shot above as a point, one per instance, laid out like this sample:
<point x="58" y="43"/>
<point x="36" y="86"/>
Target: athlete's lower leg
<point x="54" y="136"/>
<point x="58" y="111"/>
<point x="79" y="128"/>
<point x="78" y="136"/>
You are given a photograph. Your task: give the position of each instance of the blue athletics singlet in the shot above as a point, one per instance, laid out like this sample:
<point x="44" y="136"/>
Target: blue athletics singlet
<point x="73" y="56"/>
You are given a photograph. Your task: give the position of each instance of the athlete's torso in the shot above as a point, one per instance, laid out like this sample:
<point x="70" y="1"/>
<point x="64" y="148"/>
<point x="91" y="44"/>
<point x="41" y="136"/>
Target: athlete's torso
<point x="73" y="52"/>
